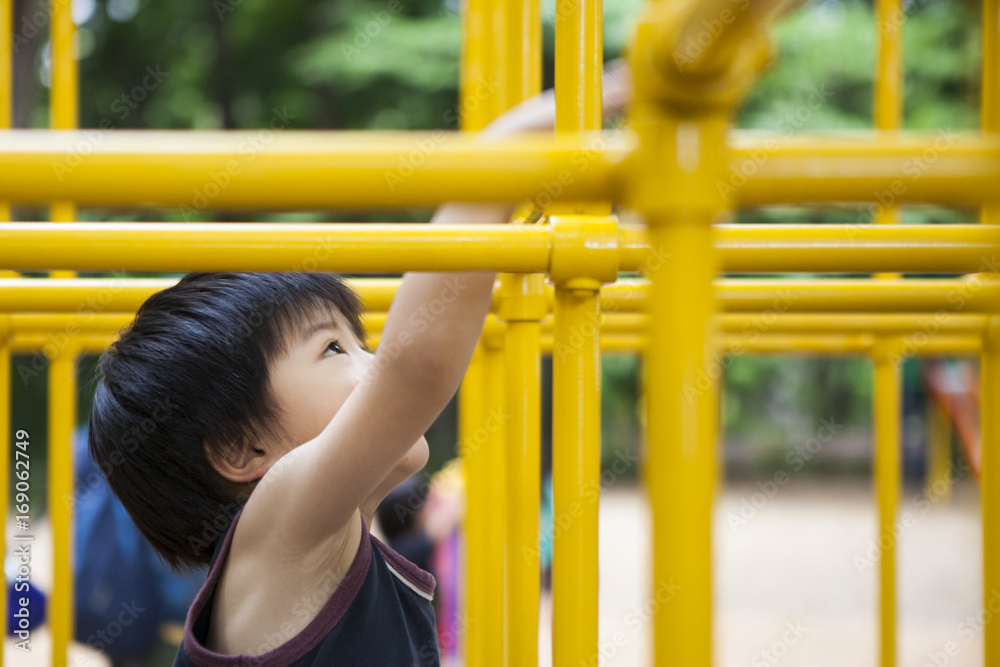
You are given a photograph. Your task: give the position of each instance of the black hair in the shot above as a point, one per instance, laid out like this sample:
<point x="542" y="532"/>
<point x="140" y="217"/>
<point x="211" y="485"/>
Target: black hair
<point x="190" y="371"/>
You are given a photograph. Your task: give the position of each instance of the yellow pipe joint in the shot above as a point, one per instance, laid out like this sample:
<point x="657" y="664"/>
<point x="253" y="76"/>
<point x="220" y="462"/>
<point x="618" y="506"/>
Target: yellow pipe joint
<point x="584" y="251"/>
<point x="522" y="297"/>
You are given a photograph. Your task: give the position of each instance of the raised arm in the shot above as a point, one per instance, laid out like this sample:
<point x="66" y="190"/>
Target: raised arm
<point x="432" y="328"/>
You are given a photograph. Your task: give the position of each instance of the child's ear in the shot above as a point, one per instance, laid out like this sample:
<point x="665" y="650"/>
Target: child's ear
<point x="239" y="463"/>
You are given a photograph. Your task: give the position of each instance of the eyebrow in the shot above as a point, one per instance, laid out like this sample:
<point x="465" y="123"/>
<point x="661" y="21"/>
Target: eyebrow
<point x="308" y="332"/>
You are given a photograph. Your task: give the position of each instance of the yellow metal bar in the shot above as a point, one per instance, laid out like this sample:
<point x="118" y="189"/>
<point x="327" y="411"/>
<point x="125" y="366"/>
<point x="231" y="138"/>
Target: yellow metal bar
<point x="938" y="477"/>
<point x="477" y="90"/>
<point x="471" y="416"/>
<point x="845" y="248"/>
<point x="957" y="299"/>
<point x="917" y="325"/>
<point x="963" y="295"/>
<point x="679" y="47"/>
<point x="970" y="294"/>
<point x="990" y="120"/>
<point x="63" y="97"/>
<point x="576" y="401"/>
<point x="522" y="306"/>
<point x="523" y="49"/>
<point x="517" y="48"/>
<point x="946" y="167"/>
<point x="214" y="169"/>
<point x="889" y="66"/>
<point x="579" y="58"/>
<point x="500" y="597"/>
<point x="339" y="247"/>
<point x="520" y="248"/>
<point x="294" y="169"/>
<point x="686" y="148"/>
<point x="888" y="392"/>
<point x="576" y="474"/>
<point x="888" y="88"/>
<point x="89" y="296"/>
<point x="62" y="420"/>
<point x="990" y="482"/>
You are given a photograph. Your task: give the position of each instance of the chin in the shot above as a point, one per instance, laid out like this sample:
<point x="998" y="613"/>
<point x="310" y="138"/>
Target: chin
<point x="417" y="457"/>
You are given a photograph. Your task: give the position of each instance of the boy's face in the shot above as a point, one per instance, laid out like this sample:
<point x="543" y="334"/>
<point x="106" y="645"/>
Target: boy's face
<point x="321" y="369"/>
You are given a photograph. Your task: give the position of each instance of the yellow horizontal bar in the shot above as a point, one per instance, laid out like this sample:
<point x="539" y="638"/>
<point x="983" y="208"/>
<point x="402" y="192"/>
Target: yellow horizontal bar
<point x="399" y="247"/>
<point x="296" y="169"/>
<point x="346" y="248"/>
<point x="767" y="343"/>
<point x="970" y="294"/>
<point x="952" y="296"/>
<point x="275" y="168"/>
<point x="947" y="167"/>
<point x="863" y="248"/>
<point x="88" y="296"/>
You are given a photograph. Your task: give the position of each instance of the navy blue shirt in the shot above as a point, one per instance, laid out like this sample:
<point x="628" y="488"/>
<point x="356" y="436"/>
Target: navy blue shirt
<point x="381" y="614"/>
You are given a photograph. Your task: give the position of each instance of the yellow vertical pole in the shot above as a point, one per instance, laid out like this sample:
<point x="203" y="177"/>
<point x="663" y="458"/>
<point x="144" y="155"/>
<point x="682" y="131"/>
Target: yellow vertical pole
<point x="62" y="419"/>
<point x="498" y="65"/>
<point x="522" y="305"/>
<point x="524" y="49"/>
<point x="576" y="398"/>
<point x="990" y="358"/>
<point x="496" y="574"/>
<point x="938" y="476"/>
<point x="64" y="96"/>
<point x="888" y="86"/>
<point x="989" y="480"/>
<point x="472" y="441"/>
<point x="887" y="474"/>
<point x="6" y="78"/>
<point x="578" y="69"/>
<point x="476" y="105"/>
<point x="4" y="446"/>
<point x="483" y="95"/>
<point x="684" y="145"/>
<point x="576" y="470"/>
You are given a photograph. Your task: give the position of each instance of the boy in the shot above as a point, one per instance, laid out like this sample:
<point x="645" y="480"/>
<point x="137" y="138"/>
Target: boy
<point x="244" y="424"/>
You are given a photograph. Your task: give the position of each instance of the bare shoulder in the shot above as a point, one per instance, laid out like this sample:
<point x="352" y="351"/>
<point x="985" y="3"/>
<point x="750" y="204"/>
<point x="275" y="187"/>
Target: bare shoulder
<point x="269" y="591"/>
<point x="269" y="525"/>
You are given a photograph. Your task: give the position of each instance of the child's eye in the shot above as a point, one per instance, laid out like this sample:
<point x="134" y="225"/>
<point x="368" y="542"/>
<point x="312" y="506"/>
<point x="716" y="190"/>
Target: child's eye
<point x="335" y="345"/>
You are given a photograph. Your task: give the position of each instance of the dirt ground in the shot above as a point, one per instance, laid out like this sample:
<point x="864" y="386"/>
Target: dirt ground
<point x="795" y="584"/>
